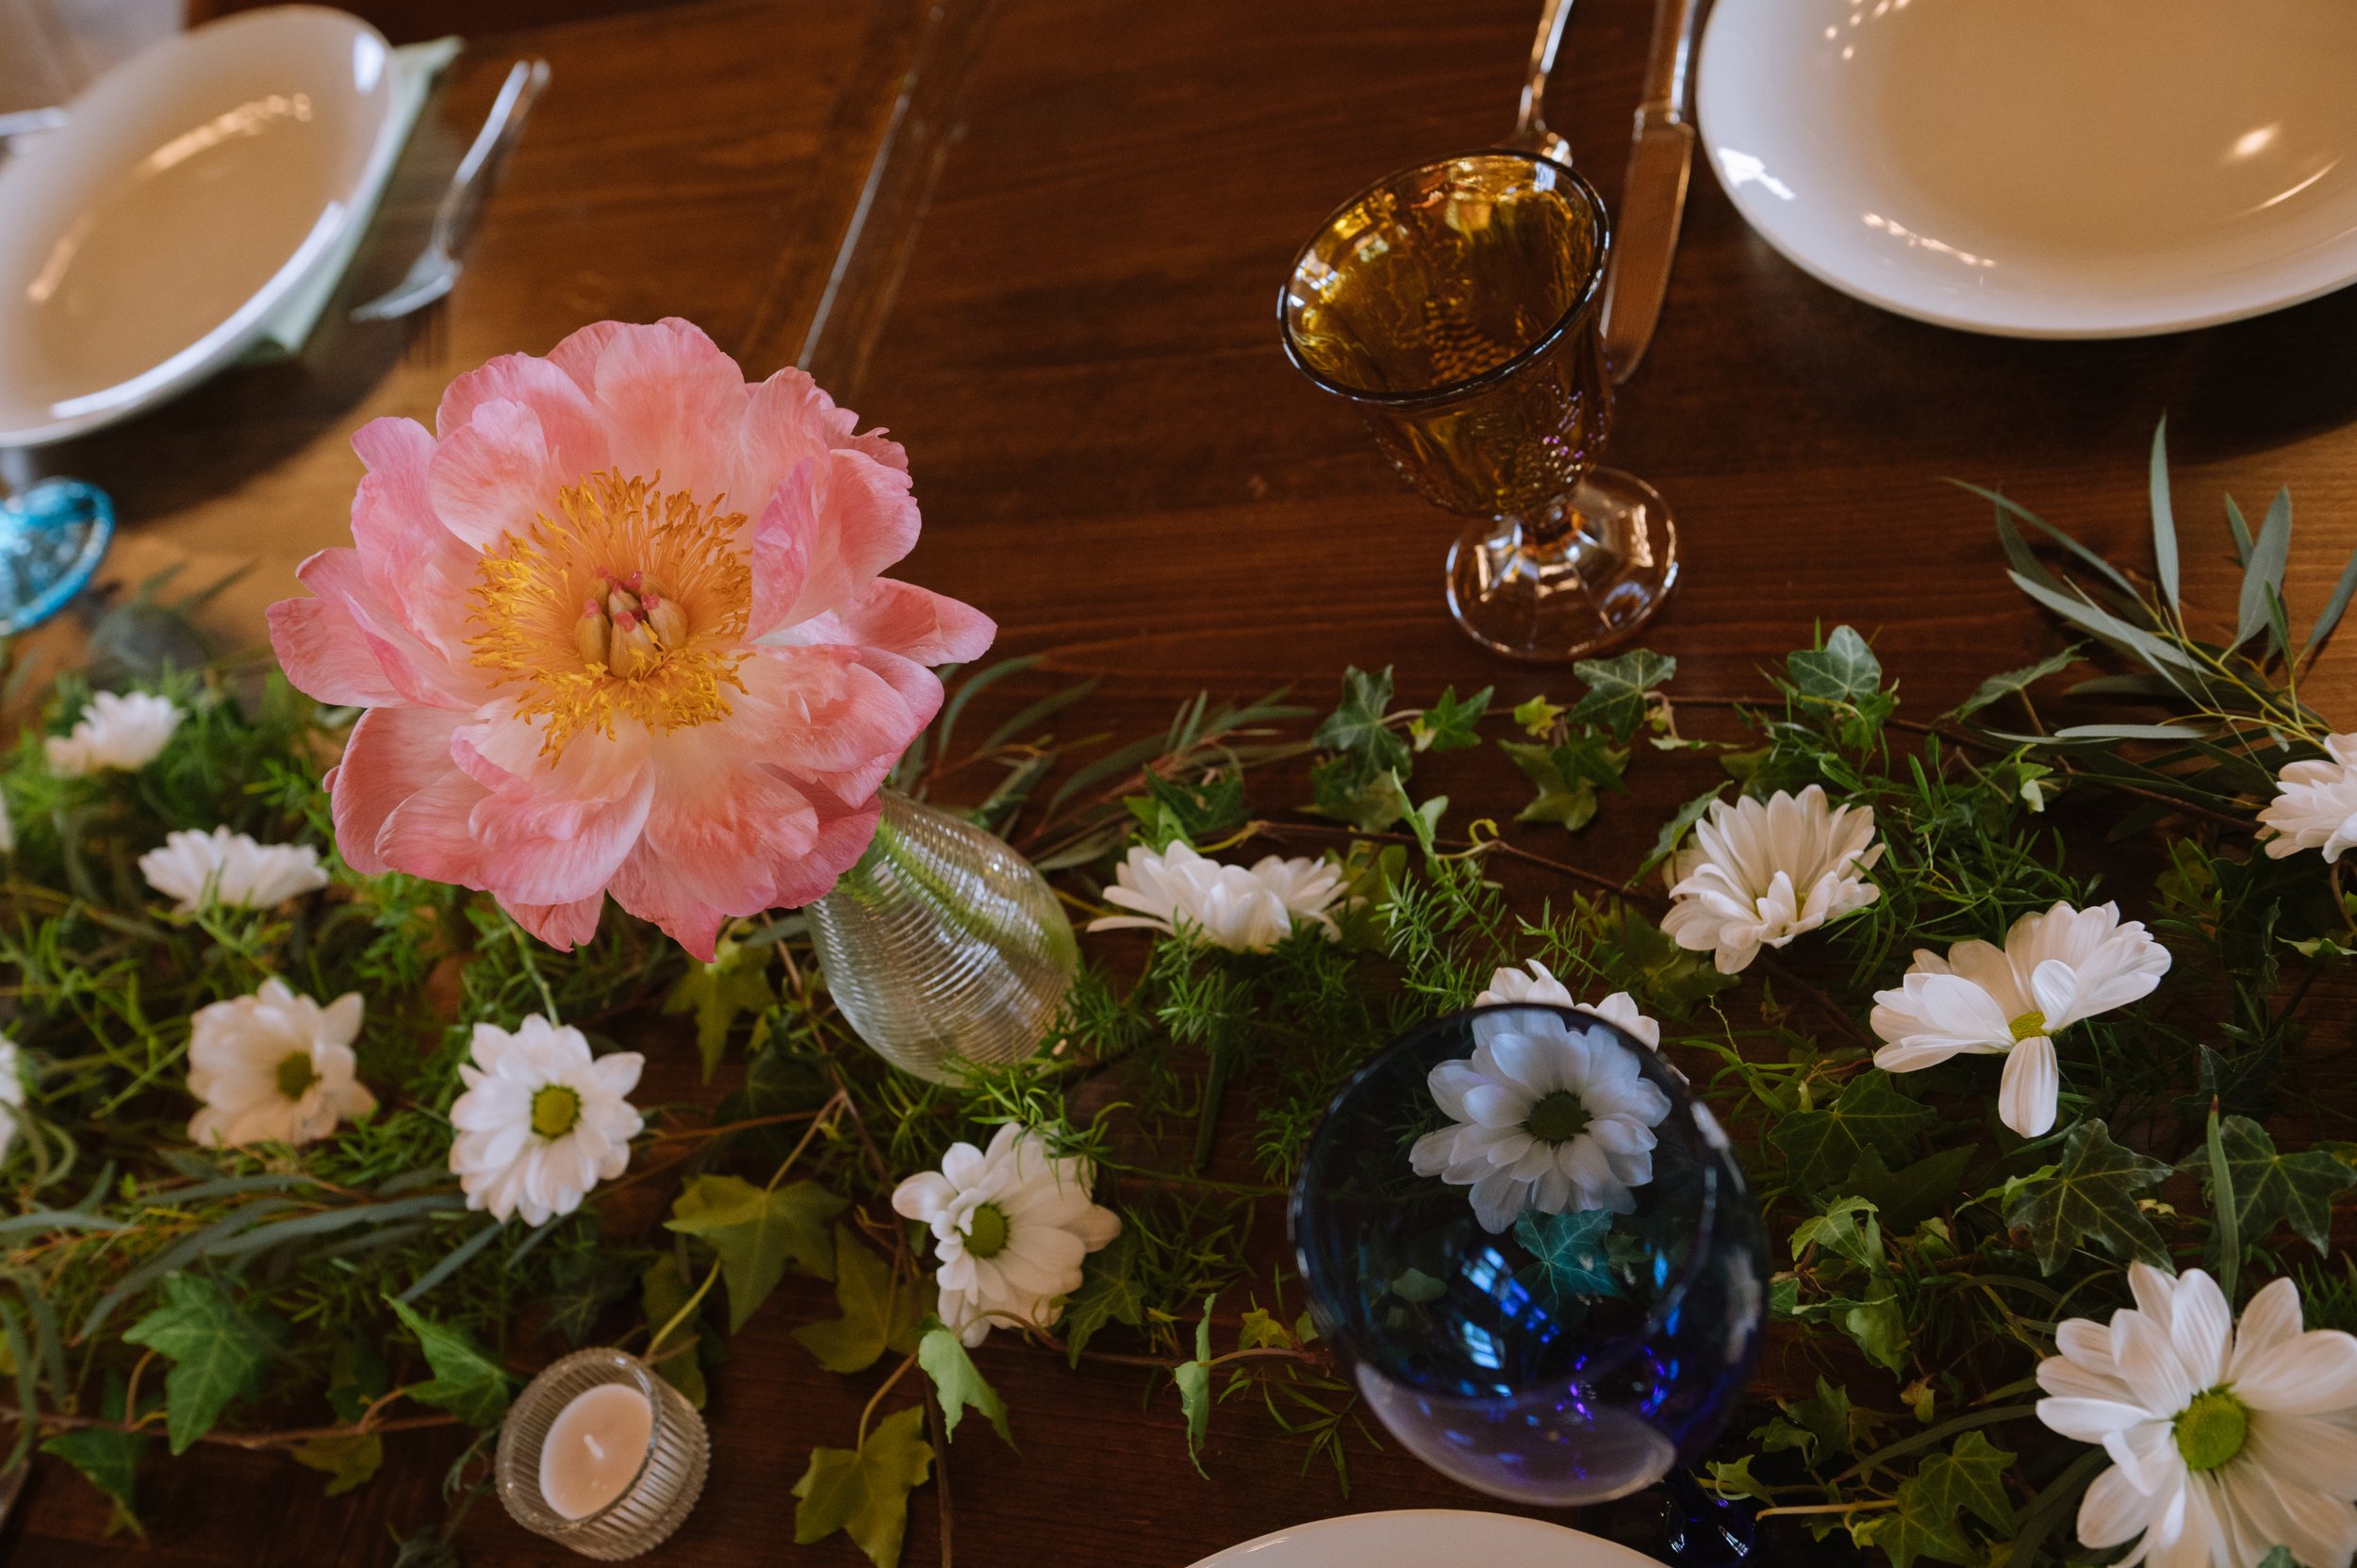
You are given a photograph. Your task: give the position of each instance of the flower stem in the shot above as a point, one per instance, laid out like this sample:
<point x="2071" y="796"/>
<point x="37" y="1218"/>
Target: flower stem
<point x="877" y="1398"/>
<point x="654" y="1345"/>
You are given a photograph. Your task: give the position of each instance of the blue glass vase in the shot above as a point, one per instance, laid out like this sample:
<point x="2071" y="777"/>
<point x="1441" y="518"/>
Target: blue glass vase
<point x="1576" y="1337"/>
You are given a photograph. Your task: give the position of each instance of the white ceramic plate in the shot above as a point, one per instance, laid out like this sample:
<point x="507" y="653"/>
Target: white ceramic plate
<point x="1421" y="1538"/>
<point x="2044" y="168"/>
<point x="145" y="244"/>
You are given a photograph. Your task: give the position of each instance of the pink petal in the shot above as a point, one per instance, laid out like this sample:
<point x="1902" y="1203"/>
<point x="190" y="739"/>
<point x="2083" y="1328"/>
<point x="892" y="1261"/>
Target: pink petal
<point x="427" y="834"/>
<point x="563" y="927"/>
<point x="788" y="417"/>
<point x="568" y="422"/>
<point x="325" y="653"/>
<point x="415" y="670"/>
<point x="818" y="711"/>
<point x="555" y="848"/>
<point x="393" y="755"/>
<point x="782" y="537"/>
<point x="418" y="565"/>
<point x="578" y="354"/>
<point x="494" y="476"/>
<point x="857" y="517"/>
<point x="917" y="623"/>
<point x="670" y="402"/>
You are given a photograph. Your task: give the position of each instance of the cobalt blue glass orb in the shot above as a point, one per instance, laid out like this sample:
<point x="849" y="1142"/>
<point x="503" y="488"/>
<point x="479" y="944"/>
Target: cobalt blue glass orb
<point x="1534" y="1250"/>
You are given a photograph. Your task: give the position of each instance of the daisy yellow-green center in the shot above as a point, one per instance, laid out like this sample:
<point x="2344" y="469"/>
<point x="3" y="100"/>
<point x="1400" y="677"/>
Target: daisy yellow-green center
<point x="1558" y="1118"/>
<point x="2027" y="1027"/>
<point x="296" y="1074"/>
<point x="630" y="604"/>
<point x="554" y="1110"/>
<point x="986" y="1231"/>
<point x="2212" y="1429"/>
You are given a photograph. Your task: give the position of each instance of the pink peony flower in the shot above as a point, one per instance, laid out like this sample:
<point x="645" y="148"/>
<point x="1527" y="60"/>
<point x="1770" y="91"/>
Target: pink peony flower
<point x="619" y="629"/>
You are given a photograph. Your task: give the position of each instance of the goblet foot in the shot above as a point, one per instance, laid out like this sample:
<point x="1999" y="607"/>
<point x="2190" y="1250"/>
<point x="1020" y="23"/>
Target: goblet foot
<point x="1571" y="582"/>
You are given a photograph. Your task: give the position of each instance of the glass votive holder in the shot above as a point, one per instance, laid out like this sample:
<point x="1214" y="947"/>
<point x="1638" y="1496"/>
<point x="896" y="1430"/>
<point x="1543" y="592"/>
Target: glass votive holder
<point x="614" y="1499"/>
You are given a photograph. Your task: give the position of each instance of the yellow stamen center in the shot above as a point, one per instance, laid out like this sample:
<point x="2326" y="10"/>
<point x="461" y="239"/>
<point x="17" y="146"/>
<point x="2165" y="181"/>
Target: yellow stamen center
<point x="554" y="1110"/>
<point x="2027" y="1027"/>
<point x="296" y="1075"/>
<point x="630" y="606"/>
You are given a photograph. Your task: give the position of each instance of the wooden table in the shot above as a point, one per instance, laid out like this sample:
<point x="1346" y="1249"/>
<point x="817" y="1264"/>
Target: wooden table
<point x="1077" y="343"/>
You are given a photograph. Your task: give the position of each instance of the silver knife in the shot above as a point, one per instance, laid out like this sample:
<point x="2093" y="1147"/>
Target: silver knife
<point x="1654" y="196"/>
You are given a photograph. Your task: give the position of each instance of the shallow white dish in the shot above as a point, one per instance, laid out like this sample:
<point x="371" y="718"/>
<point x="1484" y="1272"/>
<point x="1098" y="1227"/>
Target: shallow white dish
<point x="145" y="244"/>
<point x="2044" y="168"/>
<point x="1421" y="1538"/>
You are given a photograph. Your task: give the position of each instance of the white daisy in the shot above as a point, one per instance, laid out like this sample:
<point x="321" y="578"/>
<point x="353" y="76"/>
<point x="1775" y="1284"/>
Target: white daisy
<point x="230" y="870"/>
<point x="2225" y="1443"/>
<point x="542" y="1121"/>
<point x="1539" y="984"/>
<point x="1761" y="873"/>
<point x="1544" y="1115"/>
<point x="11" y="1095"/>
<point x="1228" y="906"/>
<point x="2316" y="803"/>
<point x="275" y="1068"/>
<point x="127" y="731"/>
<point x="1011" y="1225"/>
<point x="2056" y="968"/>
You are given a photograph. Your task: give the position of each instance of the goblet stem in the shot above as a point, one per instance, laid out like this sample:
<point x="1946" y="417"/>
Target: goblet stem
<point x="1568" y="579"/>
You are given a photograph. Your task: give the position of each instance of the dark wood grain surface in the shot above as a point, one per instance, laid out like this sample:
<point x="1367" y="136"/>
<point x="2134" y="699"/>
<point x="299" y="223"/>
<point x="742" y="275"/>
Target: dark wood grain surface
<point x="1072" y="328"/>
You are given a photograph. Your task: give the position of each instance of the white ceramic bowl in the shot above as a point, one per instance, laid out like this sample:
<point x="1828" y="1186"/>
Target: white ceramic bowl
<point x="1426" y="1538"/>
<point x="2044" y="168"/>
<point x="145" y="244"/>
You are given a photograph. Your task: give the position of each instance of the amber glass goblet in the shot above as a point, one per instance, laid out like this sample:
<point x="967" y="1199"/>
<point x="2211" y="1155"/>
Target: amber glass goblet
<point x="1454" y="305"/>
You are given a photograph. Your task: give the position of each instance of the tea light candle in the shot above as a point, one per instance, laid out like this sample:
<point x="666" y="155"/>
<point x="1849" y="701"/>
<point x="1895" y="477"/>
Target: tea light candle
<point x="601" y="1454"/>
<point x="594" y="1448"/>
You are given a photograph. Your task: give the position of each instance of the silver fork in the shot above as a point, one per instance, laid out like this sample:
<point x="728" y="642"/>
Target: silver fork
<point x="437" y="267"/>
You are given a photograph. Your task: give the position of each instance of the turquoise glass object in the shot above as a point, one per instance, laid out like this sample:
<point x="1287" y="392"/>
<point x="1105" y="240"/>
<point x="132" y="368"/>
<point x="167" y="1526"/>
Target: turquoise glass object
<point x="1601" y="1337"/>
<point x="51" y="538"/>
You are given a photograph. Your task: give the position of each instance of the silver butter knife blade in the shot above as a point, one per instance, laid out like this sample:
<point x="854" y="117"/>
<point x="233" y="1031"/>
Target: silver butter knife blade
<point x="1645" y="241"/>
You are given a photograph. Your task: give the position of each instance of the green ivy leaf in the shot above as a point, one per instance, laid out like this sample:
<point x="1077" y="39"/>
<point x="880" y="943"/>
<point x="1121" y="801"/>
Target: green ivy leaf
<point x="348" y="1461"/>
<point x="1877" y="1325"/>
<point x="1568" y="1251"/>
<point x="1345" y="790"/>
<point x="1195" y="1389"/>
<point x="1735" y="1479"/>
<point x="1537" y="716"/>
<point x="1357" y="728"/>
<point x="1849" y="1228"/>
<point x="2090" y="1193"/>
<point x="1448" y="725"/>
<point x="1672" y="978"/>
<point x="757" y="1234"/>
<point x="1968" y="1478"/>
<point x="218" y="1349"/>
<point x="108" y="1460"/>
<point x="467" y="1381"/>
<point x="1261" y="1330"/>
<point x="1907" y="1197"/>
<point x="1821" y="1145"/>
<point x="1843" y="670"/>
<point x="1827" y="1419"/>
<point x="2269" y="1186"/>
<point x="1998" y="687"/>
<point x="1617" y="689"/>
<point x="877" y="1314"/>
<point x="957" y="1384"/>
<point x="736" y="982"/>
<point x="865" y="1494"/>
<point x="1566" y="777"/>
<point x="1109" y="1292"/>
<point x="1198" y="812"/>
<point x="1674" y="832"/>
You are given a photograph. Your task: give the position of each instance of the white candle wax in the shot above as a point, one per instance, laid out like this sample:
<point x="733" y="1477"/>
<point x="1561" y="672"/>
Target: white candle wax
<point x="594" y="1448"/>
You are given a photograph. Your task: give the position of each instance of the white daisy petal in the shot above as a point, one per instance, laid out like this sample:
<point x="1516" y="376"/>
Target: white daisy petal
<point x="1251" y="910"/>
<point x="505" y="1163"/>
<point x="1765" y="871"/>
<point x="1016" y="1225"/>
<point x="2307" y="1376"/>
<point x="271" y="1067"/>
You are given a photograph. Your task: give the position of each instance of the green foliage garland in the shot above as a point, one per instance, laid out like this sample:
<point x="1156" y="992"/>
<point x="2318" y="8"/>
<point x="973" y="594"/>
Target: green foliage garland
<point x="325" y="1300"/>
